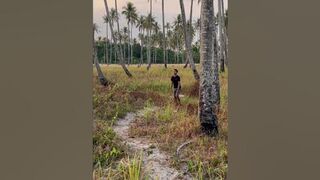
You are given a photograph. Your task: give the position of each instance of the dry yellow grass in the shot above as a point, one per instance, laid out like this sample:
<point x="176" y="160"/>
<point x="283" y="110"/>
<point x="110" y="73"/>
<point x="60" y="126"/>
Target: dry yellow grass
<point x="170" y="126"/>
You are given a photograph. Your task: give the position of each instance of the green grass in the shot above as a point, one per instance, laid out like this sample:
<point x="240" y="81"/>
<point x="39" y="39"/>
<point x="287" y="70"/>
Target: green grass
<point x="169" y="126"/>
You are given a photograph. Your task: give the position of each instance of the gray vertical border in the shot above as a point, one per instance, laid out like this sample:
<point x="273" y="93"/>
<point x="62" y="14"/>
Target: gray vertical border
<point x="45" y="99"/>
<point x="274" y="90"/>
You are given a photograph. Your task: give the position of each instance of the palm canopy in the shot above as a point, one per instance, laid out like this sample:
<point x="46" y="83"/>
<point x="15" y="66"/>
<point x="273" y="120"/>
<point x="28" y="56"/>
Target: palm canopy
<point x="141" y="22"/>
<point x="130" y="11"/>
<point x="149" y="22"/>
<point x="106" y="19"/>
<point x="113" y="14"/>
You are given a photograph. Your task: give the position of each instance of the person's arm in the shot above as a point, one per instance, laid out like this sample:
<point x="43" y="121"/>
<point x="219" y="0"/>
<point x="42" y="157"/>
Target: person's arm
<point x="179" y="83"/>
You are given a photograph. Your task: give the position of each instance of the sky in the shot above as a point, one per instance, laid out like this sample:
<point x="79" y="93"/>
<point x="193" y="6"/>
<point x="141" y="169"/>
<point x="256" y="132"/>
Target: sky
<point x="172" y="9"/>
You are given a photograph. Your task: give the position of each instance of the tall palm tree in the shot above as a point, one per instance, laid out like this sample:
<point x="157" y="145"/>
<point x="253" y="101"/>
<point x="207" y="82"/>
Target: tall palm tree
<point x="125" y="37"/>
<point x="155" y="39"/>
<point x="187" y="42"/>
<point x="102" y="79"/>
<point x="208" y="77"/>
<point x="106" y="20"/>
<point x="190" y="20"/>
<point x="113" y="18"/>
<point x="118" y="50"/>
<point x="178" y="36"/>
<point x="167" y="28"/>
<point x="222" y="52"/>
<point x="141" y="26"/>
<point x="130" y="12"/>
<point x="149" y="36"/>
<point x="164" y="37"/>
<point x="118" y="30"/>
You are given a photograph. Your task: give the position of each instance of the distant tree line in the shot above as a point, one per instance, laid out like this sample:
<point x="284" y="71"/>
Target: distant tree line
<point x="110" y="56"/>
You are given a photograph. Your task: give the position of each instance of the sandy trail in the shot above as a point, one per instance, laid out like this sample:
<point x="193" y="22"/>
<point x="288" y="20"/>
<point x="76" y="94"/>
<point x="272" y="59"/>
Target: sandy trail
<point x="155" y="163"/>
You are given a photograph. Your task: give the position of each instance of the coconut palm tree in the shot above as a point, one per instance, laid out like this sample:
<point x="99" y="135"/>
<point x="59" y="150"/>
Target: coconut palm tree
<point x="155" y="39"/>
<point x="164" y="44"/>
<point x="149" y="35"/>
<point x="141" y="26"/>
<point x="130" y="12"/>
<point x="118" y="30"/>
<point x="149" y="24"/>
<point x="167" y="27"/>
<point x="113" y="18"/>
<point x="187" y="40"/>
<point x="178" y="36"/>
<point x="118" y="49"/>
<point x="209" y="67"/>
<point x="222" y="52"/>
<point x="102" y="79"/>
<point x="106" y="20"/>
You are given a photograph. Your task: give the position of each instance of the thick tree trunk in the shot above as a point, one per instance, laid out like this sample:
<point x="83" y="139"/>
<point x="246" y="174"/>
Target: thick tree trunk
<point x="114" y="39"/>
<point x="187" y="40"/>
<point x="208" y="65"/>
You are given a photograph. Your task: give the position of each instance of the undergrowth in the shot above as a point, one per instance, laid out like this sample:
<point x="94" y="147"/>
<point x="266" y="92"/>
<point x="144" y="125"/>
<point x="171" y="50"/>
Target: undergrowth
<point x="169" y="126"/>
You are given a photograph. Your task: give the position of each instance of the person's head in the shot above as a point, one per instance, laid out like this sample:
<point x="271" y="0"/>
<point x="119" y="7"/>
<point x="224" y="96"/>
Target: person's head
<point x="175" y="71"/>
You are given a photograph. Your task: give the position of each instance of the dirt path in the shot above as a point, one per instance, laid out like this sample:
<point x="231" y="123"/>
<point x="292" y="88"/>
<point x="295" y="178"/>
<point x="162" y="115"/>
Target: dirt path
<point x="155" y="163"/>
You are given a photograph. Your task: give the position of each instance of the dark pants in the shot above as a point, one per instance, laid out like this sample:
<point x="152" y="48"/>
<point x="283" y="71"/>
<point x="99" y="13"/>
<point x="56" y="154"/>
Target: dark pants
<point x="176" y="92"/>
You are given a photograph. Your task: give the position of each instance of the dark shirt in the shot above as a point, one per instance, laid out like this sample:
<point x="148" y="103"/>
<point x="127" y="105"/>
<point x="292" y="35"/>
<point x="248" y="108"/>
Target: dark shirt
<point x="175" y="80"/>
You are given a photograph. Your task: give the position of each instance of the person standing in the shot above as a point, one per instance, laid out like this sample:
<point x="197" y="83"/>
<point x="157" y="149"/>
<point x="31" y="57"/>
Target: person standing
<point x="175" y="83"/>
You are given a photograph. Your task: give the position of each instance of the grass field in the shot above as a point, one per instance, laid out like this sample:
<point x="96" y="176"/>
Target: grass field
<point x="168" y="127"/>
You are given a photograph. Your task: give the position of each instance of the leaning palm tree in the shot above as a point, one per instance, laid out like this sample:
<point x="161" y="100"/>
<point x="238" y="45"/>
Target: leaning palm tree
<point x="118" y="49"/>
<point x="113" y="18"/>
<point x="187" y="42"/>
<point x="102" y="79"/>
<point x="130" y="12"/>
<point x="209" y="81"/>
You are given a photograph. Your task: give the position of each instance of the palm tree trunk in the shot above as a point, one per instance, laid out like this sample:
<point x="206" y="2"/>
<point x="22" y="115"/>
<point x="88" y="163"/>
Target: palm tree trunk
<point x="190" y="28"/>
<point x="164" y="37"/>
<point x="102" y="79"/>
<point x="141" y="49"/>
<point x="129" y="44"/>
<point x="225" y="34"/>
<point x="149" y="34"/>
<point x="107" y="54"/>
<point x="222" y="35"/>
<point x="187" y="40"/>
<point x="110" y="57"/>
<point x="155" y="55"/>
<point x="131" y="51"/>
<point x="114" y="39"/>
<point x="208" y="65"/>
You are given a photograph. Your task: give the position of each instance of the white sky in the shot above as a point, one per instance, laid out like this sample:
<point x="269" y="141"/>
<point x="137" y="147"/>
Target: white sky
<point x="172" y="9"/>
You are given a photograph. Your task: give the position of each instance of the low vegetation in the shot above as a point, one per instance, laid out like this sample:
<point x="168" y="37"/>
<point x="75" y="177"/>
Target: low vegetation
<point x="168" y="127"/>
